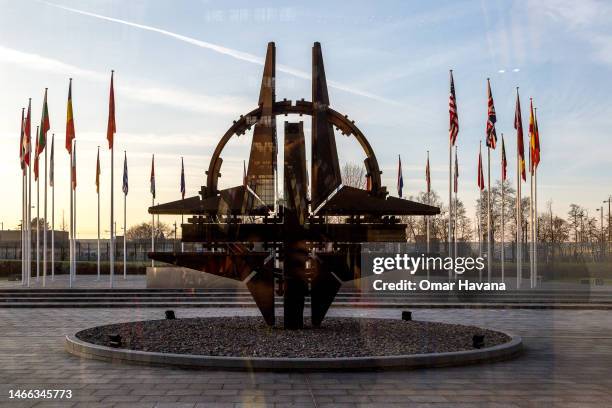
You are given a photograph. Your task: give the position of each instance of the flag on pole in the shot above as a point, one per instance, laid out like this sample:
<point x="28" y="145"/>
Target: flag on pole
<point x="504" y="162"/>
<point x="518" y="125"/>
<point x="70" y="133"/>
<point x="124" y="187"/>
<point x="183" y="179"/>
<point x="491" y="119"/>
<point x="21" y="143"/>
<point x="428" y="175"/>
<point x="111" y="129"/>
<point x="73" y="172"/>
<point x="51" y="161"/>
<point x="481" y="183"/>
<point x="44" y="127"/>
<point x="36" y="158"/>
<point x="98" y="172"/>
<point x="536" y="141"/>
<point x="452" y="111"/>
<point x="400" y="177"/>
<point x="153" y="176"/>
<point x="456" y="181"/>
<point x="27" y="129"/>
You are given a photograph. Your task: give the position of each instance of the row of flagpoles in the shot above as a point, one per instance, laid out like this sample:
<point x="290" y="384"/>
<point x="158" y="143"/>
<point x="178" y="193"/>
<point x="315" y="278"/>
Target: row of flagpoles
<point x="25" y="153"/>
<point x="453" y="176"/>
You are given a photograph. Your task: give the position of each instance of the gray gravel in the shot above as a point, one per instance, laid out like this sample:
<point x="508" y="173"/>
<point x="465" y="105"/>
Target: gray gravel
<point x="250" y="337"/>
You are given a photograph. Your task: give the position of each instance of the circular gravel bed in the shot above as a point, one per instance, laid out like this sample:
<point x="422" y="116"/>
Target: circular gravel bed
<point x="251" y="337"/>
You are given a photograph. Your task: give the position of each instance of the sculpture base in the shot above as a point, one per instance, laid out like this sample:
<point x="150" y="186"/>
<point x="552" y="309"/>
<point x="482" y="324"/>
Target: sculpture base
<point x="175" y="277"/>
<point x="339" y="344"/>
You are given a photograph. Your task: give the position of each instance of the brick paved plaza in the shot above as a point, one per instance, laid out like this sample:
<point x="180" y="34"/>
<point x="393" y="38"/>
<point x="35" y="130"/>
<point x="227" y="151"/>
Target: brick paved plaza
<point x="567" y="363"/>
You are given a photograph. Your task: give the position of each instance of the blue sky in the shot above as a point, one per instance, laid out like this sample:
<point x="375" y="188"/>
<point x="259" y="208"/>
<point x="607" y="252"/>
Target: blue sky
<point x="186" y="69"/>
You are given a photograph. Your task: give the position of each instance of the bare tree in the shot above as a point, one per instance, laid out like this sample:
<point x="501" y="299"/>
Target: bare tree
<point x="353" y="175"/>
<point x="143" y="231"/>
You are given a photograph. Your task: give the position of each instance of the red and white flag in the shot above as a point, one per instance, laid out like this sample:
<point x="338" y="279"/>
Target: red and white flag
<point x="452" y="112"/>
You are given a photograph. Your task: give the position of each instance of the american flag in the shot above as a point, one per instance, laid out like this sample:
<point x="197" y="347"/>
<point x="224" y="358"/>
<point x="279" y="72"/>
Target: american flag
<point x="452" y="111"/>
<point x="153" y="176"/>
<point x="481" y="184"/>
<point x="504" y="162"/>
<point x="182" y="179"/>
<point x="400" y="177"/>
<point x="491" y="119"/>
<point x="518" y="125"/>
<point x="456" y="181"/>
<point x="428" y="175"/>
<point x="125" y="174"/>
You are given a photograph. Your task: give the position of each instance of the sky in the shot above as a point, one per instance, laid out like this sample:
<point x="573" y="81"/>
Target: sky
<point x="185" y="69"/>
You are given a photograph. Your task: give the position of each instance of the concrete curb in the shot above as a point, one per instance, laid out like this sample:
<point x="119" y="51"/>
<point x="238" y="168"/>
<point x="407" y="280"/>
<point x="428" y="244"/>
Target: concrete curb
<point x="500" y="352"/>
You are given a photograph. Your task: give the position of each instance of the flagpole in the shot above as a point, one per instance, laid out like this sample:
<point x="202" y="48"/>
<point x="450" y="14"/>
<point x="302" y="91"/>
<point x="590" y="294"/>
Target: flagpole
<point x="502" y="210"/>
<point x="112" y="216"/>
<point x="152" y="232"/>
<point x="23" y="203"/>
<point x="45" y="225"/>
<point x="489" y="235"/>
<point x="518" y="222"/>
<point x="29" y="213"/>
<point x="535" y="202"/>
<point x="519" y="227"/>
<point x="52" y="164"/>
<point x="98" y="194"/>
<point x="456" y="200"/>
<point x="450" y="197"/>
<point x="70" y="234"/>
<point x="480" y="188"/>
<point x="37" y="215"/>
<point x="124" y="218"/>
<point x="74" y="192"/>
<point x="428" y="203"/>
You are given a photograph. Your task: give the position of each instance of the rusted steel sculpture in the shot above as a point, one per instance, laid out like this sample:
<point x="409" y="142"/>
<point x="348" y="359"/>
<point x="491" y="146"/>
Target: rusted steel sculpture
<point x="245" y="235"/>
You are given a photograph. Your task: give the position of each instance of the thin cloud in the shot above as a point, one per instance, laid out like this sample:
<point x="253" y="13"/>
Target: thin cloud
<point x="174" y="98"/>
<point x="240" y="55"/>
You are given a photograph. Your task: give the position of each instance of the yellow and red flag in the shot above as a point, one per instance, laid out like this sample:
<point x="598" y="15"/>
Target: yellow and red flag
<point x="534" y="142"/>
<point x="111" y="129"/>
<point x="70" y="134"/>
<point x="518" y="125"/>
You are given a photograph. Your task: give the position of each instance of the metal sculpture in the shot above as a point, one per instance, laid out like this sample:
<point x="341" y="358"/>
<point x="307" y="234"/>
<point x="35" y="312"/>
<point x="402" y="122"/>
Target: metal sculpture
<point x="247" y="235"/>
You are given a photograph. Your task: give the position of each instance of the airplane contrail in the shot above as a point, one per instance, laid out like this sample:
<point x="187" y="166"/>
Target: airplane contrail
<point x="243" y="56"/>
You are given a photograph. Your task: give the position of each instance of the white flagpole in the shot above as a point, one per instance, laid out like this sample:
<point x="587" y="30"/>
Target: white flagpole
<point x="37" y="220"/>
<point x="518" y="222"/>
<point x="29" y="225"/>
<point x="45" y="224"/>
<point x="70" y="234"/>
<point x="428" y="202"/>
<point x="152" y="232"/>
<point x="489" y="235"/>
<point x="502" y="212"/>
<point x="531" y="229"/>
<point x="456" y="201"/>
<point x="98" y="193"/>
<point x="52" y="164"/>
<point x="535" y="227"/>
<point x="450" y="197"/>
<point x="23" y="204"/>
<point x="74" y="241"/>
<point x="124" y="230"/>
<point x="112" y="216"/>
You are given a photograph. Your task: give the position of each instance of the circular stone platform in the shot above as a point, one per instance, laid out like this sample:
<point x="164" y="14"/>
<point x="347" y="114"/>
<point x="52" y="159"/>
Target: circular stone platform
<point x="339" y="344"/>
